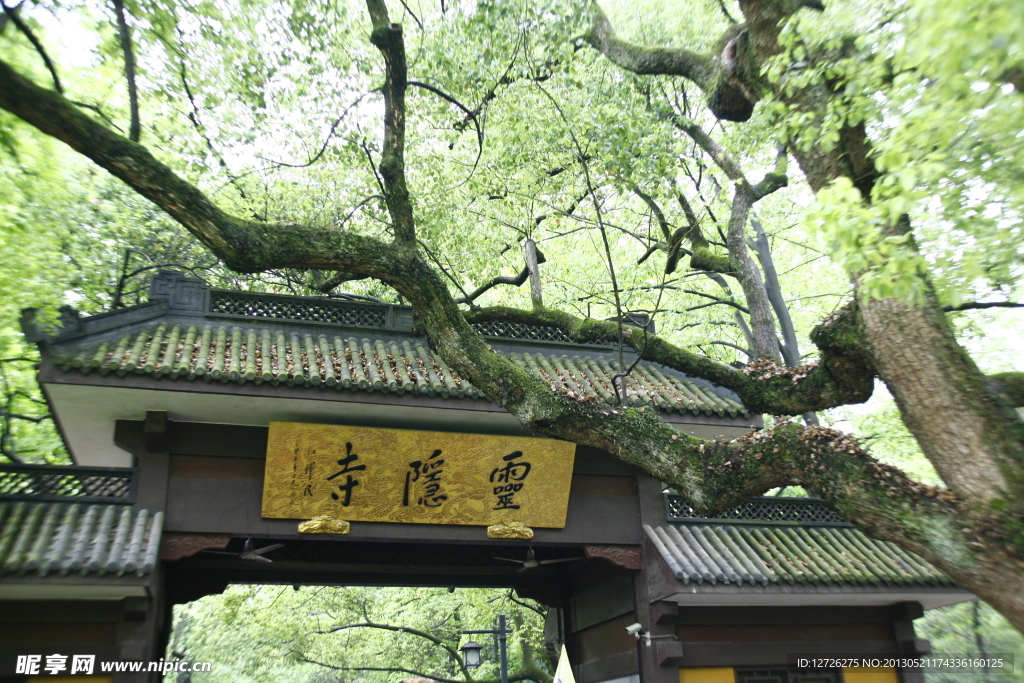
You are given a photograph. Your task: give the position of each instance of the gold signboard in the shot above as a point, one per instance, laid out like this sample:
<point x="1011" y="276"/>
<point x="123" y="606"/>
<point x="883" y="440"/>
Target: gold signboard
<point x="392" y="475"/>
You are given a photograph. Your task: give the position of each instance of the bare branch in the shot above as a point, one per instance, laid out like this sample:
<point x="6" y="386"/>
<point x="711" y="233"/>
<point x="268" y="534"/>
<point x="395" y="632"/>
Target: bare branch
<point x="721" y="5"/>
<point x="411" y="631"/>
<point x="720" y="300"/>
<point x="330" y="134"/>
<point x="12" y="15"/>
<point x="517" y="281"/>
<point x="470" y="116"/>
<point x="412" y="14"/>
<point x="976" y="305"/>
<point x="193" y="116"/>
<point x="733" y="346"/>
<point x="656" y="210"/>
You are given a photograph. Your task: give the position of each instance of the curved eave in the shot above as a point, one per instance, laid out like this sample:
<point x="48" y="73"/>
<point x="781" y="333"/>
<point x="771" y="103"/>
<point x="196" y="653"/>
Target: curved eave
<point x="86" y="407"/>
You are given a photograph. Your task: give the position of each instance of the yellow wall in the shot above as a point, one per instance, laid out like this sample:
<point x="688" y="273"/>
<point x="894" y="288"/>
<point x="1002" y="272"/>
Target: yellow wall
<point x="850" y="675"/>
<point x="719" y="675"/>
<point x="862" y="674"/>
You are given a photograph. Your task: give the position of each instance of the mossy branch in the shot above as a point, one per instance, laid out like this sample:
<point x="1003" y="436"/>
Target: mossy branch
<point x="648" y="60"/>
<point x="1011" y="386"/>
<point x="843" y="375"/>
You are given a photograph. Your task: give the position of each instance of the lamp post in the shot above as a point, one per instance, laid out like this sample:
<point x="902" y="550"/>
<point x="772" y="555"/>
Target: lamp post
<point x="471" y="650"/>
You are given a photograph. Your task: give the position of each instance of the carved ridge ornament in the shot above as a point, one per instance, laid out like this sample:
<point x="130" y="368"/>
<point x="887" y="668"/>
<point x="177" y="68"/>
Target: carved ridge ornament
<point x="176" y="546"/>
<point x="625" y="556"/>
<point x="364" y="474"/>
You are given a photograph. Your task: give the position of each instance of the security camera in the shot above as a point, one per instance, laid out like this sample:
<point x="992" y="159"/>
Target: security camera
<point x="635" y="630"/>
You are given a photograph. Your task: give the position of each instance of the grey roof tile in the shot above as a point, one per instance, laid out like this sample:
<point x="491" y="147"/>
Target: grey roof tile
<point x="789" y="555"/>
<point x="62" y="538"/>
<point x="241" y="355"/>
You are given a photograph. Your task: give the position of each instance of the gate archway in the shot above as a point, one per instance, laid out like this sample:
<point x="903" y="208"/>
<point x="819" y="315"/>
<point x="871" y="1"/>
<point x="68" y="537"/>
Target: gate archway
<point x="176" y="395"/>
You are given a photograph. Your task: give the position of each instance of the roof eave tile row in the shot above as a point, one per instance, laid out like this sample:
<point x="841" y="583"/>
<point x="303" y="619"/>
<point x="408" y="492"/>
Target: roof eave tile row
<point x="733" y="554"/>
<point x="385" y="365"/>
<point x="65" y="538"/>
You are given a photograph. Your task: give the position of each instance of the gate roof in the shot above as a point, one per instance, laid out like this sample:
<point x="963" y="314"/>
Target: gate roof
<point x="187" y="332"/>
<point x="208" y="355"/>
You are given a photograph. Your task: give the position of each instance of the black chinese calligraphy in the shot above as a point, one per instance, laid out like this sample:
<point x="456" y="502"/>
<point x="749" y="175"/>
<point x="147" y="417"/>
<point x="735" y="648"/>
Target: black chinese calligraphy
<point x="350" y="481"/>
<point x="307" y="489"/>
<point x="425" y="477"/>
<point x="509" y="480"/>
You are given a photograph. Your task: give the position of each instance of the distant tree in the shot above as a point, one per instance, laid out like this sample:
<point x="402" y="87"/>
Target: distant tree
<point x="367" y="634"/>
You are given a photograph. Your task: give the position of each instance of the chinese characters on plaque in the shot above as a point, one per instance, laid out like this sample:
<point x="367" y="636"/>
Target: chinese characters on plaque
<point x="391" y="475"/>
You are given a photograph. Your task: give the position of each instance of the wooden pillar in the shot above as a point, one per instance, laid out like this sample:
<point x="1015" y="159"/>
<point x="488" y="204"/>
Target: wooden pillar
<point x="907" y="642"/>
<point x="659" y="661"/>
<point x="142" y="619"/>
<point x="153" y="464"/>
<point x="138" y="633"/>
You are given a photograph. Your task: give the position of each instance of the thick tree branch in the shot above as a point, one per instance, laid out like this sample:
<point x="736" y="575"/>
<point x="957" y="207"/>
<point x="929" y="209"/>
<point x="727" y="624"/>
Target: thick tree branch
<point x="245" y="246"/>
<point x="387" y="37"/>
<point x="124" y="33"/>
<point x="1011" y="386"/>
<point x="843" y="375"/>
<point x="712" y="475"/>
<point x="648" y="60"/>
<point x="5" y="17"/>
<point x="339" y="278"/>
<point x="744" y="196"/>
<point x="762" y="322"/>
<point x="702" y="257"/>
<point x="776" y="180"/>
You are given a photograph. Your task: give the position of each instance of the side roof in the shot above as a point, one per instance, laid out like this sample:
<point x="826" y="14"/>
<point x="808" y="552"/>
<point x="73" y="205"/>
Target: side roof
<point x="61" y="538"/>
<point x="786" y="551"/>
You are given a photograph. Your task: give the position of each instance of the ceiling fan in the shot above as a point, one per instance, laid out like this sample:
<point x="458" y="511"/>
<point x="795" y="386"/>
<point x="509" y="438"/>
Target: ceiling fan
<point x="531" y="561"/>
<point x="249" y="553"/>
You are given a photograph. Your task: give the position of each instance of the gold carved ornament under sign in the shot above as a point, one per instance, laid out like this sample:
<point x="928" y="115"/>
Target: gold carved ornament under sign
<point x="390" y="475"/>
<point x="322" y="524"/>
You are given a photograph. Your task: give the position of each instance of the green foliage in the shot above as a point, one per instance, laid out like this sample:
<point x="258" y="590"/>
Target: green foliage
<point x="930" y="82"/>
<point x="971" y="628"/>
<point x="275" y="633"/>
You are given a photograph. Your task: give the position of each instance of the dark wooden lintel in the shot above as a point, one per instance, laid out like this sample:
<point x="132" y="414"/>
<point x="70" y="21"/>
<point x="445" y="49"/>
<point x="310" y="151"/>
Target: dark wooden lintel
<point x="155" y="429"/>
